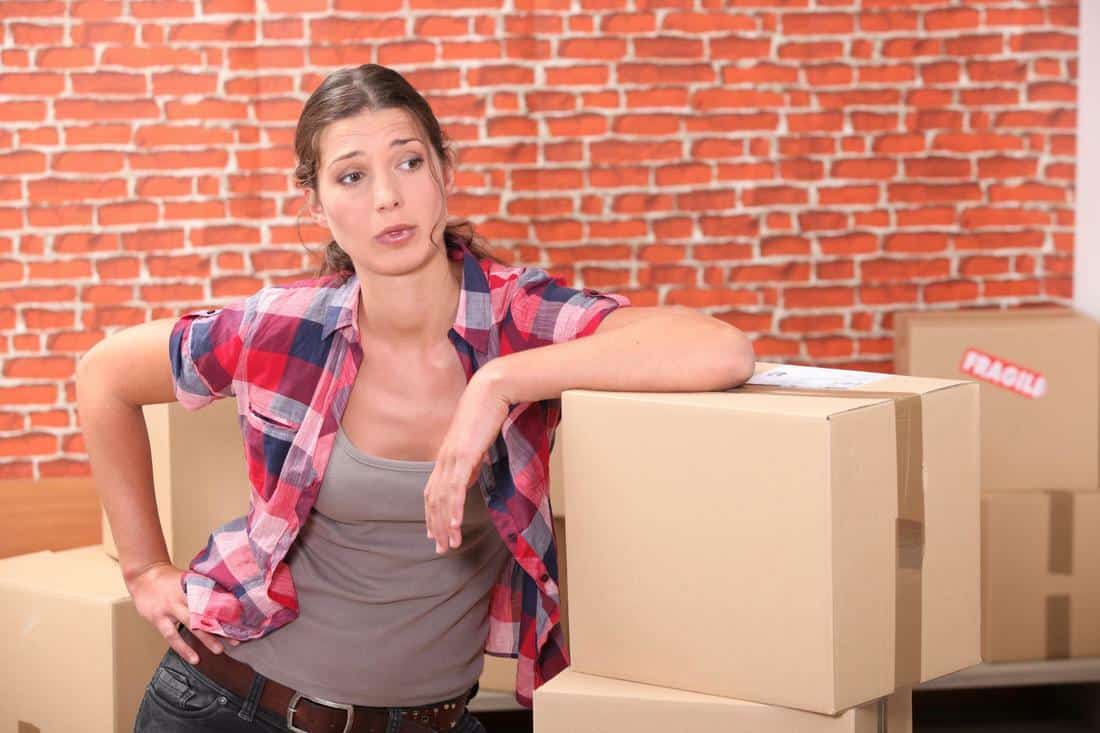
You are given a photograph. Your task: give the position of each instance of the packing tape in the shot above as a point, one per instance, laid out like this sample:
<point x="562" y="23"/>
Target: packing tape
<point x="1058" y="641"/>
<point x="910" y="519"/>
<point x="1060" y="557"/>
<point x="1059" y="562"/>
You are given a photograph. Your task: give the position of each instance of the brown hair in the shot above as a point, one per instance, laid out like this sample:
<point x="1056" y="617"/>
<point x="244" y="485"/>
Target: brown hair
<point x="348" y="92"/>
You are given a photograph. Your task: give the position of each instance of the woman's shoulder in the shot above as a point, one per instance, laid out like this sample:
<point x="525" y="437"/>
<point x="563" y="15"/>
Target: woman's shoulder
<point x="304" y="290"/>
<point x="289" y="302"/>
<point x="502" y="275"/>
<point x="507" y="283"/>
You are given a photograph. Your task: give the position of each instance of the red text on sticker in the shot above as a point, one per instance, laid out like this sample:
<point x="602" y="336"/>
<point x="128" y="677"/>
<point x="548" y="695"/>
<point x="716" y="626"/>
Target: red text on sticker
<point x="1003" y="373"/>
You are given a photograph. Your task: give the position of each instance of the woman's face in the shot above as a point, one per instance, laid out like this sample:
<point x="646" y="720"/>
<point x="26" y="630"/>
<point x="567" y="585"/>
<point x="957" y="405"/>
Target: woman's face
<point x="368" y="181"/>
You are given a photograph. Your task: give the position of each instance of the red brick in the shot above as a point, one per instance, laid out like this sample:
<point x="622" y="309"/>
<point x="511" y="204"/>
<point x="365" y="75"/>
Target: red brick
<point x="818" y="297"/>
<point x="768" y="346"/>
<point x="792" y="271"/>
<point x="957" y="290"/>
<point x="708" y="297"/>
<point x="1011" y="288"/>
<point x="879" y="270"/>
<point x="812" y="324"/>
<point x="995" y="240"/>
<point x="831" y="347"/>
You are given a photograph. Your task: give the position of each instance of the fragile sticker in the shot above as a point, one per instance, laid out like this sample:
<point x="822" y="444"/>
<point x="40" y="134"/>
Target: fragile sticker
<point x="1003" y="373"/>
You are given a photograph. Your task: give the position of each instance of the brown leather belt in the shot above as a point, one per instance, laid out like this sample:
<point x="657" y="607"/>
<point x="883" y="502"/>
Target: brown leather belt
<point x="315" y="715"/>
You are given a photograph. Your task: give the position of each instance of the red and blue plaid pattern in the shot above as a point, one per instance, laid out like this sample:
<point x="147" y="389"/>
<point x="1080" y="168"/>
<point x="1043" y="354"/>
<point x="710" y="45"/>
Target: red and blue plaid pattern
<point x="289" y="354"/>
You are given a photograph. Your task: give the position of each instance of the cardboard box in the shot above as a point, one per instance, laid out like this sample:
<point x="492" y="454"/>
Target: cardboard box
<point x="757" y="535"/>
<point x="1039" y="371"/>
<point x="57" y="513"/>
<point x="573" y="702"/>
<point x="557" y="488"/>
<point x="950" y="593"/>
<point x="1040" y="575"/>
<point x="499" y="673"/>
<point x="199" y="474"/>
<point x="77" y="656"/>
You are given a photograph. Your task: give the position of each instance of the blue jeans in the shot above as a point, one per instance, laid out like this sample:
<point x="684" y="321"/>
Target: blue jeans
<point x="180" y="699"/>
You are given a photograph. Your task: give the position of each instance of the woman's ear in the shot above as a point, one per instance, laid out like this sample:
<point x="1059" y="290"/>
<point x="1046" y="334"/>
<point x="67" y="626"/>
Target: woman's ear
<point x="316" y="210"/>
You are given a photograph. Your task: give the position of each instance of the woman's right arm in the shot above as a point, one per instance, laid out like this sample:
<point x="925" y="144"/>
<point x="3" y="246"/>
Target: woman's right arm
<point x="114" y="379"/>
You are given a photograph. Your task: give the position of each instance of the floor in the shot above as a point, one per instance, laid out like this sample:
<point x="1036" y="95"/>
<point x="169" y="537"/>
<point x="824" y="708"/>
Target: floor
<point x="1032" y="709"/>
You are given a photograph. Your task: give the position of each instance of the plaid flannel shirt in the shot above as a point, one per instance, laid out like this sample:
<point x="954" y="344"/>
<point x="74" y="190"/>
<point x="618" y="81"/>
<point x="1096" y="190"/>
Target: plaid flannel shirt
<point x="289" y="355"/>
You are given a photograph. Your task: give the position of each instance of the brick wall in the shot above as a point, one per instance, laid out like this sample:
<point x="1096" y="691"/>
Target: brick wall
<point x="802" y="169"/>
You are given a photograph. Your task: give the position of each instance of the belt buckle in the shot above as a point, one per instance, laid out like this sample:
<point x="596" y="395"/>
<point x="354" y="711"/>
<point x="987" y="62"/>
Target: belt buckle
<point x="347" y="707"/>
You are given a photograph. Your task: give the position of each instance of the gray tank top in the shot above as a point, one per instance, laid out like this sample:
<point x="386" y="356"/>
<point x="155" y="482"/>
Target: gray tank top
<point x="384" y="620"/>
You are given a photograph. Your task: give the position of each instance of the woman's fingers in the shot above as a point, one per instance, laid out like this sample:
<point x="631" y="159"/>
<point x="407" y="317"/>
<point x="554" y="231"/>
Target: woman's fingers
<point x="168" y="630"/>
<point x="443" y="514"/>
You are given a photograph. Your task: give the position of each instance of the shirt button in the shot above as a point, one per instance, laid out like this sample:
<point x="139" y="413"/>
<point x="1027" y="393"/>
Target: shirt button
<point x="544" y="577"/>
<point x="511" y="536"/>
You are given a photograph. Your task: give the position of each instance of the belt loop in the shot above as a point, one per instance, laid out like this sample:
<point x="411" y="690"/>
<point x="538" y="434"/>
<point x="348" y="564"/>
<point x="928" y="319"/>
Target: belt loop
<point x="248" y="711"/>
<point x="394" y="723"/>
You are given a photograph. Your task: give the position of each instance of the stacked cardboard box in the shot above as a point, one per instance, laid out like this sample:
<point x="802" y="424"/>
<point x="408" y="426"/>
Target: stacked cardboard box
<point x="808" y="541"/>
<point x="583" y="703"/>
<point x="72" y="608"/>
<point x="77" y="655"/>
<point x="1039" y="371"/>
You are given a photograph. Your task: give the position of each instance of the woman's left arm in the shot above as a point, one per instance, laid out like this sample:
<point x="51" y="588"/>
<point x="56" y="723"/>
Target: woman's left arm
<point x="634" y="349"/>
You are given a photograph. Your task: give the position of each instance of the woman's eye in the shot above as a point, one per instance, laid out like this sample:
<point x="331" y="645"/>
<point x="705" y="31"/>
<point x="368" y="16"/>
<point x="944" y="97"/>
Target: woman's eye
<point x="415" y="159"/>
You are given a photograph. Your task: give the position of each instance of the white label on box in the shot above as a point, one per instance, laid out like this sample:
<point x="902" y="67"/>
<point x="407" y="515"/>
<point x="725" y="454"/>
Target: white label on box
<point x="804" y="377"/>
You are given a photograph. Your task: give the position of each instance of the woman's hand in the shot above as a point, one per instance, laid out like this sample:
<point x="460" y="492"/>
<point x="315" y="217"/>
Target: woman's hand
<point x="476" y="424"/>
<point x="159" y="599"/>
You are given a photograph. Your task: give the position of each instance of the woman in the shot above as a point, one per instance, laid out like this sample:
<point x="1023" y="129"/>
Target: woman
<point x="369" y="577"/>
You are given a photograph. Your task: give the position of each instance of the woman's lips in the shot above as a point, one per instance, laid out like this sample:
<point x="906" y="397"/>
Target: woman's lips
<point x="396" y="237"/>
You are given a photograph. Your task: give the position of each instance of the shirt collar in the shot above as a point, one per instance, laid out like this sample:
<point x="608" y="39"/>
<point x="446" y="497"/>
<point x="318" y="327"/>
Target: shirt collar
<point x="473" y="318"/>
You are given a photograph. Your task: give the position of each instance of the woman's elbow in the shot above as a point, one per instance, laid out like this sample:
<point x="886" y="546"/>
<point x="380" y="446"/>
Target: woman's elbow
<point x="744" y="357"/>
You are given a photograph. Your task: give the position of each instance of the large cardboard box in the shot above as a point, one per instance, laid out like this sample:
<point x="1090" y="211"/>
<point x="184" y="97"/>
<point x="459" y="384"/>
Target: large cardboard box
<point x="758" y="536"/>
<point x="1039" y="371"/>
<point x="200" y="477"/>
<point x="1040" y="575"/>
<point x="573" y="702"/>
<point x="77" y="656"/>
<point x="949" y="415"/>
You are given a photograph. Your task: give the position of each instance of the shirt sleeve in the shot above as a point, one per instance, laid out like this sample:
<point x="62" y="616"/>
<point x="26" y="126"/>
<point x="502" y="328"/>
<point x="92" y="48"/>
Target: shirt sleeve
<point x="545" y="310"/>
<point x="205" y="349"/>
